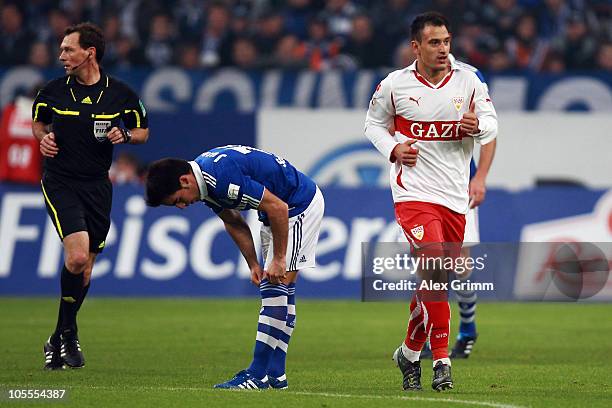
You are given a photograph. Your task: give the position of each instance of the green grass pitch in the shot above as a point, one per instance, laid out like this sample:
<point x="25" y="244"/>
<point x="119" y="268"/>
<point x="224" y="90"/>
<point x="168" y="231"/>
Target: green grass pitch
<point x="170" y="352"/>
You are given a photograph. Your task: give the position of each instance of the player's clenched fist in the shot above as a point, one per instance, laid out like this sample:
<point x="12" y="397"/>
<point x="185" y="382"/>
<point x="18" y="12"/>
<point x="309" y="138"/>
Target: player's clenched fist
<point x="48" y="147"/>
<point x="469" y="121"/>
<point x="118" y="135"/>
<point x="406" y="154"/>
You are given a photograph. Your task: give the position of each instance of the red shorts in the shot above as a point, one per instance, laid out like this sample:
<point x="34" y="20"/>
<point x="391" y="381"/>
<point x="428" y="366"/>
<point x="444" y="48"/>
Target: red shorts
<point x="427" y="223"/>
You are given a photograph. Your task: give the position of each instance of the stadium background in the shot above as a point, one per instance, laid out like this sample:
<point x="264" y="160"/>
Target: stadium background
<point x="554" y="140"/>
<point x="295" y="78"/>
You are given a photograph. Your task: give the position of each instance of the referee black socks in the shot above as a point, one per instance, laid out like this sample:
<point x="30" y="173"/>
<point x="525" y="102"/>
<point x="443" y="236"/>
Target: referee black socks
<point x="72" y="294"/>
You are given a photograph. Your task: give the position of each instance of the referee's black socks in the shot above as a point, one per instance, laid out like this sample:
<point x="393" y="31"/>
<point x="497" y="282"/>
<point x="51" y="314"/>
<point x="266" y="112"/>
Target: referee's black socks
<point x="70" y="302"/>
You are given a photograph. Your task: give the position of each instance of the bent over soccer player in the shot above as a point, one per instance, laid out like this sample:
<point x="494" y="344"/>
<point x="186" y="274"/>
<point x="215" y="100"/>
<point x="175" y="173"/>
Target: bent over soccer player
<point x="229" y="179"/>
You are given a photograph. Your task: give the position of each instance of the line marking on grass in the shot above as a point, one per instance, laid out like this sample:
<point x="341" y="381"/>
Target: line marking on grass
<point x="401" y="397"/>
<point x="313" y="394"/>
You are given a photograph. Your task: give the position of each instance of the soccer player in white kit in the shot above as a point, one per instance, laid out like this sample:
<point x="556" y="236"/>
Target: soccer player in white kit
<point x="438" y="108"/>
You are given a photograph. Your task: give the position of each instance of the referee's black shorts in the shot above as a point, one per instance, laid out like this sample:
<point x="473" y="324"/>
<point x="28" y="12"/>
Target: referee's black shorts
<point x="76" y="205"/>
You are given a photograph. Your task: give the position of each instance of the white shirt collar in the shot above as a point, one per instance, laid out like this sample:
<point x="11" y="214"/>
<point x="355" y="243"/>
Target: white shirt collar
<point x="199" y="179"/>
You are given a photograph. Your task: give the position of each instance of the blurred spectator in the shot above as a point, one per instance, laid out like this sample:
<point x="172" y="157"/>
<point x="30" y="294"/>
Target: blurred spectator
<point x="392" y="19"/>
<point x="500" y="16"/>
<point x="604" y="57"/>
<point x="111" y="35"/>
<point x="163" y="32"/>
<point x="125" y="53"/>
<point x="551" y="16"/>
<point x="404" y="55"/>
<point x="554" y="63"/>
<point x="216" y="48"/>
<point x="188" y="57"/>
<point x="526" y="49"/>
<point x="296" y="15"/>
<point x="125" y="169"/>
<point x="499" y="61"/>
<point x="14" y="38"/>
<point x="473" y="44"/>
<point x="269" y="32"/>
<point x="58" y="22"/>
<point x="159" y="47"/>
<point x="320" y="49"/>
<point x="245" y="54"/>
<point x="365" y="50"/>
<point x="189" y="17"/>
<point x="40" y="56"/>
<point x="577" y="46"/>
<point x="289" y="54"/>
<point x="82" y="10"/>
<point x="339" y="15"/>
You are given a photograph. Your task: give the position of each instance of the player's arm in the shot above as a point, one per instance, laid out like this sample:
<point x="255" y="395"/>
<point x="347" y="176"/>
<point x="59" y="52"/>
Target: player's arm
<point x="240" y="232"/>
<point x="485" y="112"/>
<point x="278" y="215"/>
<point x="134" y="117"/>
<point x="478" y="188"/>
<point x="378" y="125"/>
<point x="41" y="120"/>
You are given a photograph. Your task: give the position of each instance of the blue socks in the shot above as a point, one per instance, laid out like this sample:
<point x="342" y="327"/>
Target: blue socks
<point x="272" y="322"/>
<point x="467" y="311"/>
<point x="276" y="368"/>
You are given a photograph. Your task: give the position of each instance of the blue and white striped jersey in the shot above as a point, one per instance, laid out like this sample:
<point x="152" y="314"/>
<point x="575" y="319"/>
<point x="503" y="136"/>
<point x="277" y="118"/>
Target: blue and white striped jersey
<point x="235" y="176"/>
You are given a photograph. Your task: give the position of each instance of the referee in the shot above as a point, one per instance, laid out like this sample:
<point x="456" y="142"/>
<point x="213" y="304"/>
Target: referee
<point x="76" y="119"/>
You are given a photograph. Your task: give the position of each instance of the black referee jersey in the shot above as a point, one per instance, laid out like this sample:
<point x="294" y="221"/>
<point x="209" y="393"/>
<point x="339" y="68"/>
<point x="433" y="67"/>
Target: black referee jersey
<point x="80" y="116"/>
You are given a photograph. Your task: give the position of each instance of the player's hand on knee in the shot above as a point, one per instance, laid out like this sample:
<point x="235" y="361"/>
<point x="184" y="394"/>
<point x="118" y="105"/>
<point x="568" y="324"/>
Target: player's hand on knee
<point x="406" y="154"/>
<point x="256" y="275"/>
<point x="48" y="147"/>
<point x="277" y="271"/>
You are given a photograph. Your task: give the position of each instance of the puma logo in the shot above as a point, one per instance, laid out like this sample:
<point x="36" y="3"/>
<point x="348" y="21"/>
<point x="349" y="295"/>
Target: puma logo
<point x="415" y="100"/>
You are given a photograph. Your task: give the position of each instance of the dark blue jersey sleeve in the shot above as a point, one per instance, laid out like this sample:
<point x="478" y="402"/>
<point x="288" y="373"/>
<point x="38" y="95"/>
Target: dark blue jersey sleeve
<point x="234" y="188"/>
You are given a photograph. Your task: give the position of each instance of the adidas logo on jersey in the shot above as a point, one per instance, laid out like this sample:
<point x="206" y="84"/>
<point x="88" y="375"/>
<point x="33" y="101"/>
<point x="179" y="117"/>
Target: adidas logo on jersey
<point x="87" y="100"/>
<point x="303" y="259"/>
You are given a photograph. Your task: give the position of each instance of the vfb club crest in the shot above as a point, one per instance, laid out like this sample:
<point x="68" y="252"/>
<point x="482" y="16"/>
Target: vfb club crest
<point x="418" y="232"/>
<point x="458" y="102"/>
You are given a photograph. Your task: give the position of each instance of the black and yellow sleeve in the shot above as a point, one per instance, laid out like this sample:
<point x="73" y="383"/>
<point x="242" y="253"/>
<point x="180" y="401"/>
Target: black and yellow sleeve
<point x="41" y="108"/>
<point x="134" y="114"/>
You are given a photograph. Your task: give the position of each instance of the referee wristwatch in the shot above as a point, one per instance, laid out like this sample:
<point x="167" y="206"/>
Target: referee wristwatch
<point x="127" y="135"/>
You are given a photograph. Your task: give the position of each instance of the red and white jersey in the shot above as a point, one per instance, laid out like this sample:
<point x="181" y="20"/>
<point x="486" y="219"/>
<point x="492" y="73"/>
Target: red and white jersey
<point x="430" y="113"/>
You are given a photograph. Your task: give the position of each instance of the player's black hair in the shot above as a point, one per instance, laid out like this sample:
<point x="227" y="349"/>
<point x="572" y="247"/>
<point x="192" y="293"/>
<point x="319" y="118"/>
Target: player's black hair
<point x="429" y="18"/>
<point x="162" y="179"/>
<point x="90" y="36"/>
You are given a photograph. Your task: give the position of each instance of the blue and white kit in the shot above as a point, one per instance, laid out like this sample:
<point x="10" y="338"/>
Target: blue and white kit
<point x="235" y="176"/>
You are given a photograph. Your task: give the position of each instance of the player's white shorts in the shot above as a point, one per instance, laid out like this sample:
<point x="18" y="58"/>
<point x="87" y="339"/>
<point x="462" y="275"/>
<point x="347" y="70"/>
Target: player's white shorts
<point x="471" y="235"/>
<point x="303" y="236"/>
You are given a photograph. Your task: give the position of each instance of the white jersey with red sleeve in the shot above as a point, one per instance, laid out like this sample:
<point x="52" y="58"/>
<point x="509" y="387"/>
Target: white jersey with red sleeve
<point x="430" y="114"/>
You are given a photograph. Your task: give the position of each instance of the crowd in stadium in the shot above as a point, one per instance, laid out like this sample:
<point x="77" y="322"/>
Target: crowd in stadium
<point x="497" y="35"/>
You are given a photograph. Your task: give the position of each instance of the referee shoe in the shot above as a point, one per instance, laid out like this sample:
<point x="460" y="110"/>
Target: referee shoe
<point x="53" y="360"/>
<point x="71" y="351"/>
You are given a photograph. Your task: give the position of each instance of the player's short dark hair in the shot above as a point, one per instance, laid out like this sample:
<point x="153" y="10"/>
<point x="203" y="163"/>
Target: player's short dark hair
<point x="162" y="179"/>
<point x="429" y="18"/>
<point x="90" y="35"/>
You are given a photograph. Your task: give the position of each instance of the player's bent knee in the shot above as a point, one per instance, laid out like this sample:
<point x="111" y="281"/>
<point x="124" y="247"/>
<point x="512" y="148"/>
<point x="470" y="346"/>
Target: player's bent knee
<point x="76" y="261"/>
